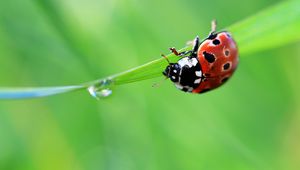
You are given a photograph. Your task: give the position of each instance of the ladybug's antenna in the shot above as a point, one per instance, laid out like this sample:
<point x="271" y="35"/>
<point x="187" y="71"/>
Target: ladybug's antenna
<point x="213" y="26"/>
<point x="166" y="58"/>
<point x="159" y="83"/>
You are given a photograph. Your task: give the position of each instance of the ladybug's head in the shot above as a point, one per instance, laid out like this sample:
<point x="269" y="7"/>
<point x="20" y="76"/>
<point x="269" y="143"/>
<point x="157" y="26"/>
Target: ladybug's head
<point x="172" y="71"/>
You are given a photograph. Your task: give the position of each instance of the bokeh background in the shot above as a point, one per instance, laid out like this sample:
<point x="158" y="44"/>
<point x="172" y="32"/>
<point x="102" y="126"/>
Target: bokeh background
<point x="251" y="123"/>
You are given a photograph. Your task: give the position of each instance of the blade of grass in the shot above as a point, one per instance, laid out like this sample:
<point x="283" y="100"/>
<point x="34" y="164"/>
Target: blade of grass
<point x="271" y="28"/>
<point x="22" y="93"/>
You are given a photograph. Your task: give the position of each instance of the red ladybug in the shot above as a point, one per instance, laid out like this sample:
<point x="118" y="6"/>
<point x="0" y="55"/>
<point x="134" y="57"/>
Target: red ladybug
<point x="207" y="66"/>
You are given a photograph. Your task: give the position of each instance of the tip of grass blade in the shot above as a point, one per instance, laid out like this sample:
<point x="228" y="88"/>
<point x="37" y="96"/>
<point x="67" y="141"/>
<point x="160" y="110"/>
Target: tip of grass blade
<point x="25" y="93"/>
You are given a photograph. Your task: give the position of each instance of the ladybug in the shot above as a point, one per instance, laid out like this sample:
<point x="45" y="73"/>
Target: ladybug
<point x="207" y="66"/>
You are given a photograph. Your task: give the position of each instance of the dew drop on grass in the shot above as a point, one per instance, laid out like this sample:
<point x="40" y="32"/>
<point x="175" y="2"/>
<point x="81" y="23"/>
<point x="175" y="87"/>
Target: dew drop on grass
<point x="101" y="89"/>
<point x="99" y="93"/>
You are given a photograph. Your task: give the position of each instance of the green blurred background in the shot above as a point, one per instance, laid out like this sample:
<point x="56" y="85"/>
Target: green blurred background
<point x="251" y="123"/>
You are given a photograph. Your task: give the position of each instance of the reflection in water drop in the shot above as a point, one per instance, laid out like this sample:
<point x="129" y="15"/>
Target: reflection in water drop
<point x="99" y="93"/>
<point x="101" y="89"/>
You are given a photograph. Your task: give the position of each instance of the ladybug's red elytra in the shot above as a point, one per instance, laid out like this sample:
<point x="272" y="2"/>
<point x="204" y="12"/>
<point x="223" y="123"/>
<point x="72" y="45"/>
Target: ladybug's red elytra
<point x="207" y="66"/>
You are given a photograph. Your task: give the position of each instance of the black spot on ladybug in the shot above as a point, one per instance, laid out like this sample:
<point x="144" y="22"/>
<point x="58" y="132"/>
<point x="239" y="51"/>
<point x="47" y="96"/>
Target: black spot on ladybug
<point x="205" y="90"/>
<point x="224" y="79"/>
<point x="216" y="42"/>
<point x="212" y="36"/>
<point x="226" y="52"/>
<point x="209" y="57"/>
<point x="226" y="66"/>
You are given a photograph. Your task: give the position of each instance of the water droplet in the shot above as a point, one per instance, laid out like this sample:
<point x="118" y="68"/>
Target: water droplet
<point x="99" y="93"/>
<point x="101" y="89"/>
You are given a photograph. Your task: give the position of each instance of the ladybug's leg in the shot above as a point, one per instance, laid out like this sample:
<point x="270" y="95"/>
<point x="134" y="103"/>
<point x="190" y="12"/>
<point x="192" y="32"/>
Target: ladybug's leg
<point x="212" y="34"/>
<point x="179" y="54"/>
<point x="174" y="51"/>
<point x="196" y="45"/>
<point x="185" y="53"/>
<point x="213" y="26"/>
